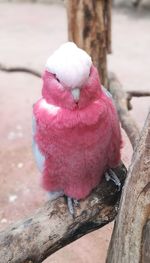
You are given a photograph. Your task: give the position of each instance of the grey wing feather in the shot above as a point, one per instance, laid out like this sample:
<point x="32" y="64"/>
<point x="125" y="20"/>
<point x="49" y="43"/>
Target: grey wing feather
<point x="107" y="92"/>
<point x="39" y="157"/>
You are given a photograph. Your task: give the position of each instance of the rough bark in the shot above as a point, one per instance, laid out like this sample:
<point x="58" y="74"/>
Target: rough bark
<point x="120" y="98"/>
<point x="108" y="23"/>
<point x="89" y="26"/>
<point x="52" y="227"/>
<point x="145" y="252"/>
<point x="130" y="241"/>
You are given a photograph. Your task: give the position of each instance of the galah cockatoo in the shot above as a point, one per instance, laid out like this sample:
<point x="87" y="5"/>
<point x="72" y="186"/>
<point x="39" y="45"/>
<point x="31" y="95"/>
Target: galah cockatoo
<point x="76" y="131"/>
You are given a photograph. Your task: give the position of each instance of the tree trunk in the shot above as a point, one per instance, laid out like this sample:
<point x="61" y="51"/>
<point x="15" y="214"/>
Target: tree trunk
<point x="130" y="241"/>
<point x="89" y="26"/>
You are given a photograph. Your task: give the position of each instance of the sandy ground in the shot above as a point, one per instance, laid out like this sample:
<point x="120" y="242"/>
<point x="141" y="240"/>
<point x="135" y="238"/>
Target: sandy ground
<point x="28" y="35"/>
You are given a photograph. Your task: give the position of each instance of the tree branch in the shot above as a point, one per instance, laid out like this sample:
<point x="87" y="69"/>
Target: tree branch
<point x="137" y="93"/>
<point x="52" y="227"/>
<point x="130" y="241"/>
<point x="20" y="69"/>
<point x="120" y="98"/>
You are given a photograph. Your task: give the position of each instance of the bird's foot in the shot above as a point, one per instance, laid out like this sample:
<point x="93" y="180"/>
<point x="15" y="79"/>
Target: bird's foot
<point x="110" y="175"/>
<point x="54" y="195"/>
<point x="72" y="203"/>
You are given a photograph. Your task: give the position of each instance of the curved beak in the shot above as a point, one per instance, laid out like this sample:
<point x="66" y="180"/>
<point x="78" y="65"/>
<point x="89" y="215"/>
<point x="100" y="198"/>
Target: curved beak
<point x="76" y="94"/>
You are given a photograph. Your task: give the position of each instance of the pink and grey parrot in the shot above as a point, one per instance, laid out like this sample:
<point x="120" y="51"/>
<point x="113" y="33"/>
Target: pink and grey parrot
<point x="76" y="131"/>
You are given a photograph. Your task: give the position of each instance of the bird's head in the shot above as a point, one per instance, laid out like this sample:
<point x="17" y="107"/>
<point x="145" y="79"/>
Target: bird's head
<point x="70" y="77"/>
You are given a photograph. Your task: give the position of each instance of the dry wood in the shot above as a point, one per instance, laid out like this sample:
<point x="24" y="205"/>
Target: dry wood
<point x="135" y="93"/>
<point x="89" y="26"/>
<point x="130" y="241"/>
<point x="19" y="69"/>
<point x="120" y="98"/>
<point x="138" y="93"/>
<point x="145" y="252"/>
<point x="52" y="227"/>
<point x="108" y="23"/>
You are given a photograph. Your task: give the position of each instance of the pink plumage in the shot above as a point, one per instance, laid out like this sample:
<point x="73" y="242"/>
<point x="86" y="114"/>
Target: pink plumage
<point x="80" y="139"/>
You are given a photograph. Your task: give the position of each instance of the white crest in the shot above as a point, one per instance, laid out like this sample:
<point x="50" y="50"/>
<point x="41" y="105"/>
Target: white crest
<point x="70" y="64"/>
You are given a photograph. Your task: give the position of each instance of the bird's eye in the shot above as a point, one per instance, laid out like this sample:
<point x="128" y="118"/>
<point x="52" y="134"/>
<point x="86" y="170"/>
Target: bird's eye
<point x="56" y="78"/>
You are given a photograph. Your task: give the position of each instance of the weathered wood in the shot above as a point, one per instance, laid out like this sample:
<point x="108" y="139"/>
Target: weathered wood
<point x="108" y="23"/>
<point x="138" y="93"/>
<point x="130" y="238"/>
<point x="52" y="227"/>
<point x="135" y="93"/>
<point x="145" y="252"/>
<point x="19" y="69"/>
<point x="120" y="99"/>
<point x="89" y="26"/>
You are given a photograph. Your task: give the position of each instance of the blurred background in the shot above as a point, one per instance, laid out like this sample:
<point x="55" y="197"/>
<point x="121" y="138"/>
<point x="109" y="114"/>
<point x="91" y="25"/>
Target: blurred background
<point x="29" y="32"/>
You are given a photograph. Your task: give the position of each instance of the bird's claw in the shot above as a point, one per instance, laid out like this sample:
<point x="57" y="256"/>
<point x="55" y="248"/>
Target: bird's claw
<point x="71" y="204"/>
<point x="54" y="195"/>
<point x="110" y="175"/>
<point x="76" y="203"/>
